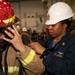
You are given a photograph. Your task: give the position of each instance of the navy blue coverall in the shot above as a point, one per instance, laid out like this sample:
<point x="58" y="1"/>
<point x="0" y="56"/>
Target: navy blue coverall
<point x="61" y="60"/>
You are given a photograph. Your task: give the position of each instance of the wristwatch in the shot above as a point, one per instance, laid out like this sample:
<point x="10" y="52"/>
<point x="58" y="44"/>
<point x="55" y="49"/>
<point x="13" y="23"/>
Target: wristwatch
<point x="45" y="53"/>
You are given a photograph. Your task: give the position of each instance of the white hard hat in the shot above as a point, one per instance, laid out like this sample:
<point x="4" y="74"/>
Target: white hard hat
<point x="58" y="12"/>
<point x="24" y="29"/>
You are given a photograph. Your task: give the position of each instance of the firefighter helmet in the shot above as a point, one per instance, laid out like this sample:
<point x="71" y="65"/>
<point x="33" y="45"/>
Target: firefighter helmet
<point x="7" y="15"/>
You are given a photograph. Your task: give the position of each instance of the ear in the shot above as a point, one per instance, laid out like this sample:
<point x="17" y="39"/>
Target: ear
<point x="65" y="25"/>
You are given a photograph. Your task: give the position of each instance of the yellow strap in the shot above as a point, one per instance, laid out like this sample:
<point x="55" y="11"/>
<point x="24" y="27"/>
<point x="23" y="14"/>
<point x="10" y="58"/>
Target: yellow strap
<point x="9" y="20"/>
<point x="12" y="69"/>
<point x="29" y="58"/>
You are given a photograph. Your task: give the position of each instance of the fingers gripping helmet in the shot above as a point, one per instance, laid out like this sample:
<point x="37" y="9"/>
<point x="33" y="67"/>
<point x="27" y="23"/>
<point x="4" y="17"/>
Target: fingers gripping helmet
<point x="7" y="16"/>
<point x="58" y="12"/>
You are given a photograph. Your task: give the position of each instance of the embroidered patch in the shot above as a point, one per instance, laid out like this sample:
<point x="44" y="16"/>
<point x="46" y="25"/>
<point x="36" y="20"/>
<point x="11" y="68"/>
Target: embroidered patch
<point x="59" y="54"/>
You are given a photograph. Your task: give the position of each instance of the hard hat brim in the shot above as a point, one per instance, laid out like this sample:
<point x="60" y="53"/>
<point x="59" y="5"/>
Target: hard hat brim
<point x="53" y="22"/>
<point x="49" y="22"/>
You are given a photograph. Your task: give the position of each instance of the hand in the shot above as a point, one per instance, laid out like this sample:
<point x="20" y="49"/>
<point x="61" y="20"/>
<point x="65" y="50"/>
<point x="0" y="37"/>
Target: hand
<point x="16" y="40"/>
<point x="37" y="47"/>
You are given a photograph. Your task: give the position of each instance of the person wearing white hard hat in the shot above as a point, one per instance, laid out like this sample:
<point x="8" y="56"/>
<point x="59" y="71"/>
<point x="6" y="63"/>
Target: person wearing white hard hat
<point x="25" y="36"/>
<point x="58" y="52"/>
<point x="16" y="58"/>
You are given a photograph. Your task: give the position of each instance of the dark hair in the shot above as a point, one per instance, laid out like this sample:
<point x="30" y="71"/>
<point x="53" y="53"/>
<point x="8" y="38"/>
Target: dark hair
<point x="67" y="21"/>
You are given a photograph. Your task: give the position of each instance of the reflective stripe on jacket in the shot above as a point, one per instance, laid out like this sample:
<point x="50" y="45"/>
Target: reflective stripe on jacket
<point x="30" y="61"/>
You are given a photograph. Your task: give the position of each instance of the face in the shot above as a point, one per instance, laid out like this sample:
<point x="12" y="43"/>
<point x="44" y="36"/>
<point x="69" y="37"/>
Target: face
<point x="57" y="30"/>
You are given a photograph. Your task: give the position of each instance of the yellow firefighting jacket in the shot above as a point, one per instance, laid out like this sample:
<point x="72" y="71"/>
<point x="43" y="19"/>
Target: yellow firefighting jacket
<point x="30" y="60"/>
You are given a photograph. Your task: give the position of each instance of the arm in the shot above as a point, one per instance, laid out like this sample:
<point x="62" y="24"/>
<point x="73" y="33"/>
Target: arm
<point x="30" y="60"/>
<point x="26" y="55"/>
<point x="58" y="65"/>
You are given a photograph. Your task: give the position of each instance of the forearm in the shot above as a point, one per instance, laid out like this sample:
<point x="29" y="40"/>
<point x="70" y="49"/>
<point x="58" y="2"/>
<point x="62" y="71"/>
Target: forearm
<point x="31" y="61"/>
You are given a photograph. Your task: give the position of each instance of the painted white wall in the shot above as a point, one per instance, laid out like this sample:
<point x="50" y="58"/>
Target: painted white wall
<point x="32" y="9"/>
<point x="16" y="9"/>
